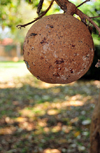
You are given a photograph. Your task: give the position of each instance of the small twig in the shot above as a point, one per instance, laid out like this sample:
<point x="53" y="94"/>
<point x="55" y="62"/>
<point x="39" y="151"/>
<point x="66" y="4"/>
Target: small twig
<point x="95" y="17"/>
<point x="39" y="6"/>
<point x="83" y="3"/>
<point x="84" y="16"/>
<point x="24" y="25"/>
<point x="94" y="24"/>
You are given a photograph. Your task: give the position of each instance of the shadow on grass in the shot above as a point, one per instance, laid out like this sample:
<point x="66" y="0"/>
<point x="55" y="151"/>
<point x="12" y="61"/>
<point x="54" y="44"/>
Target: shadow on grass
<point x="52" y="120"/>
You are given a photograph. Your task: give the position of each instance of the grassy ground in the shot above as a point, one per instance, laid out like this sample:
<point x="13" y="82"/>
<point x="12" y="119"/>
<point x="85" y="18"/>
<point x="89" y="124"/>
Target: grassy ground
<point x="37" y="117"/>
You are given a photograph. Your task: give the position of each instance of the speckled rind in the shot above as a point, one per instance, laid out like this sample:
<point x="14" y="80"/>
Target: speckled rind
<point x="58" y="49"/>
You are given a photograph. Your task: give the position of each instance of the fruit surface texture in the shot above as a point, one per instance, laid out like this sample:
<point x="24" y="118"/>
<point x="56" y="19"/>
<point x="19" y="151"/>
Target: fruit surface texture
<point x="58" y="49"/>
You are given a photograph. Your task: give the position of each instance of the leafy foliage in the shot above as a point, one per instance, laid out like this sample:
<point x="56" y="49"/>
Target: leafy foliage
<point x="5" y="2"/>
<point x="9" y="13"/>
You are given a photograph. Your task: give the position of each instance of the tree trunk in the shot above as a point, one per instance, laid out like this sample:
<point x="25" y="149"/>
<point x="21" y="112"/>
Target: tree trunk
<point x="95" y="129"/>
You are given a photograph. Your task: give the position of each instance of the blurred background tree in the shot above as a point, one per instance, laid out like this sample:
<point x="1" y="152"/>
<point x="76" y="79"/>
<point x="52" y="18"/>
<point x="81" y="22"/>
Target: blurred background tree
<point x="14" y="12"/>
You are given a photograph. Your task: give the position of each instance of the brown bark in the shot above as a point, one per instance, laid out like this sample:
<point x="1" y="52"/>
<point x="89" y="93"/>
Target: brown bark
<point x="95" y="130"/>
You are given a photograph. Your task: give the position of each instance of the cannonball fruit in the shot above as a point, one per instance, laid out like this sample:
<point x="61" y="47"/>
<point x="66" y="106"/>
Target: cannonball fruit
<point x="58" y="49"/>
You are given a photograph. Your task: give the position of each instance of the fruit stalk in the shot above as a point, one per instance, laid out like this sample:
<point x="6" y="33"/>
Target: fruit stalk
<point x="70" y="8"/>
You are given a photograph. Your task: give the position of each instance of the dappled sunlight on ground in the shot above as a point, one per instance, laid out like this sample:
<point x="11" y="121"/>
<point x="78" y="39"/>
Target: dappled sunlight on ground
<point x="36" y="117"/>
<point x="7" y="130"/>
<point x="51" y="151"/>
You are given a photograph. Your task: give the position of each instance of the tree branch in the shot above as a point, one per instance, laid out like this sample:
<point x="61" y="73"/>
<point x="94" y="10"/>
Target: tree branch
<point x="84" y="17"/>
<point x="83" y="3"/>
<point x="68" y="8"/>
<point x="24" y="25"/>
<point x="94" y="17"/>
<point x="40" y="6"/>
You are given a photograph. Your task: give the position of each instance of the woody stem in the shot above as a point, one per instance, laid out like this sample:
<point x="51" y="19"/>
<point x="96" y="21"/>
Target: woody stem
<point x="84" y="16"/>
<point x="68" y="8"/>
<point x="24" y="25"/>
<point x="95" y="17"/>
<point x="71" y="9"/>
<point x="83" y="3"/>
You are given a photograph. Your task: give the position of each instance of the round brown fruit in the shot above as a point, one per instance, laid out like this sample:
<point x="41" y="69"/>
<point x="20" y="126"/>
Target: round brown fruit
<point x="58" y="49"/>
